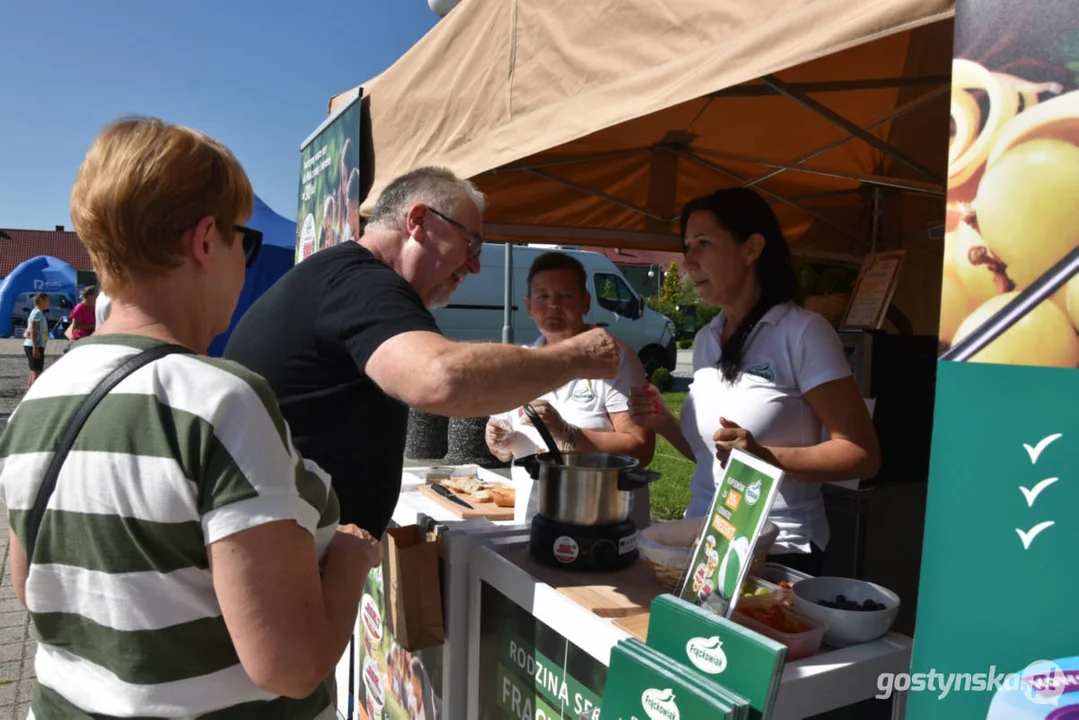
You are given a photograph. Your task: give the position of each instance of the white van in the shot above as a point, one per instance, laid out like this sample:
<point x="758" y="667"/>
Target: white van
<point x="60" y="306"/>
<point x="476" y="310"/>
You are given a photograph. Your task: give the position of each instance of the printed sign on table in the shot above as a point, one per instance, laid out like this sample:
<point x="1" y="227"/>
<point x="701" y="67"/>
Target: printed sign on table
<point x="739" y="510"/>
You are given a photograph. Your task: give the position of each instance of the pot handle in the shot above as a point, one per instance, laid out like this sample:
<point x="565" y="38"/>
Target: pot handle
<point x="636" y="479"/>
<point x="544" y="433"/>
<point x="530" y="464"/>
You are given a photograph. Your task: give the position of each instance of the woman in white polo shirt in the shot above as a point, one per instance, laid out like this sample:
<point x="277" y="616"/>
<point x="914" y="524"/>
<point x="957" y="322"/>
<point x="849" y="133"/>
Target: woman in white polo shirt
<point x="583" y="414"/>
<point x="767" y="375"/>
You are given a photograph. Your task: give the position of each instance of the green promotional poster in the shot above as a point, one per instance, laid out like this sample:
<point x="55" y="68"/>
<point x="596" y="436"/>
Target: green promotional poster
<point x="739" y="510"/>
<point x="528" y="671"/>
<point x="329" y="199"/>
<point x="394" y="684"/>
<point x="1003" y="485"/>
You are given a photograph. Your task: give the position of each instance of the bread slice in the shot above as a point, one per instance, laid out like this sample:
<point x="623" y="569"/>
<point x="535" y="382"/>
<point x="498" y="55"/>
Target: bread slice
<point x="505" y="496"/>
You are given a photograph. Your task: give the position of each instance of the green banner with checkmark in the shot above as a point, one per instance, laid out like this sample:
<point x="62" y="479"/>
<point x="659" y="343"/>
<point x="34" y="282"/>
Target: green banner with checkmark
<point x="998" y="587"/>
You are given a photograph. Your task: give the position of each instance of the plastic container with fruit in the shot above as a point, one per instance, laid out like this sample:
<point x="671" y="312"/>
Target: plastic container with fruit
<point x="780" y="575"/>
<point x="856" y="611"/>
<point x="783" y="577"/>
<point x="667" y="547"/>
<point x="770" y="617"/>
<point x="757" y="587"/>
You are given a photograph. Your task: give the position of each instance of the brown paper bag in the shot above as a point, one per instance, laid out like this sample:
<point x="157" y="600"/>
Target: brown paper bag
<point x="411" y="571"/>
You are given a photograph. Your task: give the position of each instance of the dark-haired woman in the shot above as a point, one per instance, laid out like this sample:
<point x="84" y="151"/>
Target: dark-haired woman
<point x="768" y="375"/>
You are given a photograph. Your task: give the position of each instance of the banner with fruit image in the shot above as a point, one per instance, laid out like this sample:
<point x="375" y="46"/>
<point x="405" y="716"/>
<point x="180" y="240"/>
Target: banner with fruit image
<point x="1003" y="480"/>
<point x="394" y="684"/>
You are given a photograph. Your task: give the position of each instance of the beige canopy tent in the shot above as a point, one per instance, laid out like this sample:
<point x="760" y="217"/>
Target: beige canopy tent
<point x="592" y="123"/>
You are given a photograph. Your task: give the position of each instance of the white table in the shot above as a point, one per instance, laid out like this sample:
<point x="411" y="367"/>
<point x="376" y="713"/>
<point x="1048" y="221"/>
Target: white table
<point x="832" y="679"/>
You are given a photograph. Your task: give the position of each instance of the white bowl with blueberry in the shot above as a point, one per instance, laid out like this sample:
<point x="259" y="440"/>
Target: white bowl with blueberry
<point x="856" y="611"/>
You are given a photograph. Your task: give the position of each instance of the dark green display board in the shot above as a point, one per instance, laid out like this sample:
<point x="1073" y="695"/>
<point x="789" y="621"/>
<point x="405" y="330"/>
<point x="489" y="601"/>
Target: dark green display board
<point x="529" y="670"/>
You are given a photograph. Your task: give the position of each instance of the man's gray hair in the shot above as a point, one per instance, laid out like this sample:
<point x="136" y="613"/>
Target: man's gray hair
<point x="437" y="187"/>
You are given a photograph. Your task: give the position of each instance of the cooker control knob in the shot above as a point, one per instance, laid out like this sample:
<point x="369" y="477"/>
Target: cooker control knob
<point x="604" y="553"/>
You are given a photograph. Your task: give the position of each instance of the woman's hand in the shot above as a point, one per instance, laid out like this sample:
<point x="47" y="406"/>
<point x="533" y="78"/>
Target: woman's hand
<point x="499" y="438"/>
<point x="358" y="545"/>
<point x="647" y="409"/>
<point x="730" y="435"/>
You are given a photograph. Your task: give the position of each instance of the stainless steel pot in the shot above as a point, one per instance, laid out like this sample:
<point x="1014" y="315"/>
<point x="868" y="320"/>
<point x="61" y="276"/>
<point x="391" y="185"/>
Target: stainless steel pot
<point x="587" y="488"/>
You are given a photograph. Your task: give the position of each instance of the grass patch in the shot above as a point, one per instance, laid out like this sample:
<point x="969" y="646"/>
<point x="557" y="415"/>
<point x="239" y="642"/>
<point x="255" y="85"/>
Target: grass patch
<point x="671" y="493"/>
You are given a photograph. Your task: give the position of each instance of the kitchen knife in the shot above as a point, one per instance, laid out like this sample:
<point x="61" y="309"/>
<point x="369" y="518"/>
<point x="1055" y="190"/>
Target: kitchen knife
<point x="448" y="494"/>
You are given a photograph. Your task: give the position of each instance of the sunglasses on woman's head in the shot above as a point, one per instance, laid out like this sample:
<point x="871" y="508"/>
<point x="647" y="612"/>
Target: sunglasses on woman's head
<point x="252" y="241"/>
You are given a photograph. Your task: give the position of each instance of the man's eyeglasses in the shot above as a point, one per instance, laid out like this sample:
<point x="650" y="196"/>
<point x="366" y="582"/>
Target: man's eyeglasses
<point x="475" y="240"/>
<point x="252" y="242"/>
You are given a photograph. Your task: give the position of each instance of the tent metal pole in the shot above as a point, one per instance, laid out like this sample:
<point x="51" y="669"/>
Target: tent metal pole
<point x="853" y="128"/>
<point x="747" y="90"/>
<point x="628" y="239"/>
<point x="613" y="155"/>
<point x="809" y="211"/>
<point x="634" y="240"/>
<point x="600" y="194"/>
<point x="507" y="308"/>
<point x="894" y="115"/>
<point x="877" y="218"/>
<point x="914" y="186"/>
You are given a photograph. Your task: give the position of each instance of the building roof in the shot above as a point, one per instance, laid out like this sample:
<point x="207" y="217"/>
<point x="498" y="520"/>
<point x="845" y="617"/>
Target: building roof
<point x="18" y="246"/>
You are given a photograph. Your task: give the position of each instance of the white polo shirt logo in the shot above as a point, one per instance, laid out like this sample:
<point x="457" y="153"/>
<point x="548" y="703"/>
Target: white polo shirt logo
<point x="763" y="371"/>
<point x="583" y="393"/>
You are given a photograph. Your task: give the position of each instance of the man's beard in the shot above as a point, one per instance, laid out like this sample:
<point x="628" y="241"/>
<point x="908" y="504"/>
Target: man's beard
<point x="440" y="296"/>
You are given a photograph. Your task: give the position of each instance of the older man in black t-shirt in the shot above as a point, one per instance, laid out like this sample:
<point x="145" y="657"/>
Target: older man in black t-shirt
<point x="347" y="343"/>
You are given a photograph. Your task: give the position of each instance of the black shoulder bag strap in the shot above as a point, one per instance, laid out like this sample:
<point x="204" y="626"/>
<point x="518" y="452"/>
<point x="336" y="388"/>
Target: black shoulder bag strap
<point x="48" y="484"/>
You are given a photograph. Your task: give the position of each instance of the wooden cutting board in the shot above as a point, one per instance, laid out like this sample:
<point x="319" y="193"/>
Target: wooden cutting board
<point x="488" y="509"/>
<point x="618" y="594"/>
<point x="635" y="625"/>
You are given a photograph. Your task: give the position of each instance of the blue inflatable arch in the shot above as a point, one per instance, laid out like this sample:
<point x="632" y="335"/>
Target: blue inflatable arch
<point x="43" y="273"/>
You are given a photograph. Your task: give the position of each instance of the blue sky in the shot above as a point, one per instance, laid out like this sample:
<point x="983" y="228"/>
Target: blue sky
<point x="256" y="75"/>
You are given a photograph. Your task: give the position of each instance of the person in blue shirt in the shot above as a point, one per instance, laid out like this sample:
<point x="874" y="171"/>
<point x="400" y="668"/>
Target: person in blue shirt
<point x="37" y="335"/>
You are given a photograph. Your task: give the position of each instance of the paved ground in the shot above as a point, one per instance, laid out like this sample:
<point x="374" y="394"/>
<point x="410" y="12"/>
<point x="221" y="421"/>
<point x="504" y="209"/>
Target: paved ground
<point x="17" y="641"/>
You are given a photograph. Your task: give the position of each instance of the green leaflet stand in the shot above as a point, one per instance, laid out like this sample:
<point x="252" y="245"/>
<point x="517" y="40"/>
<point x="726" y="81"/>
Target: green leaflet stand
<point x="741" y="660"/>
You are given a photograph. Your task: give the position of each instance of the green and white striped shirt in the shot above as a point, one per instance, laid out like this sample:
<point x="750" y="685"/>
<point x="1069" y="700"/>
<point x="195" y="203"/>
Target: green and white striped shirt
<point x="182" y="453"/>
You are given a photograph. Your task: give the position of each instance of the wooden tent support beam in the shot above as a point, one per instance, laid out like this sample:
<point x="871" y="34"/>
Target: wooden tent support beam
<point x="793" y="203"/>
<point x="853" y="128"/>
<point x="899" y="112"/>
<point x="763" y="90"/>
